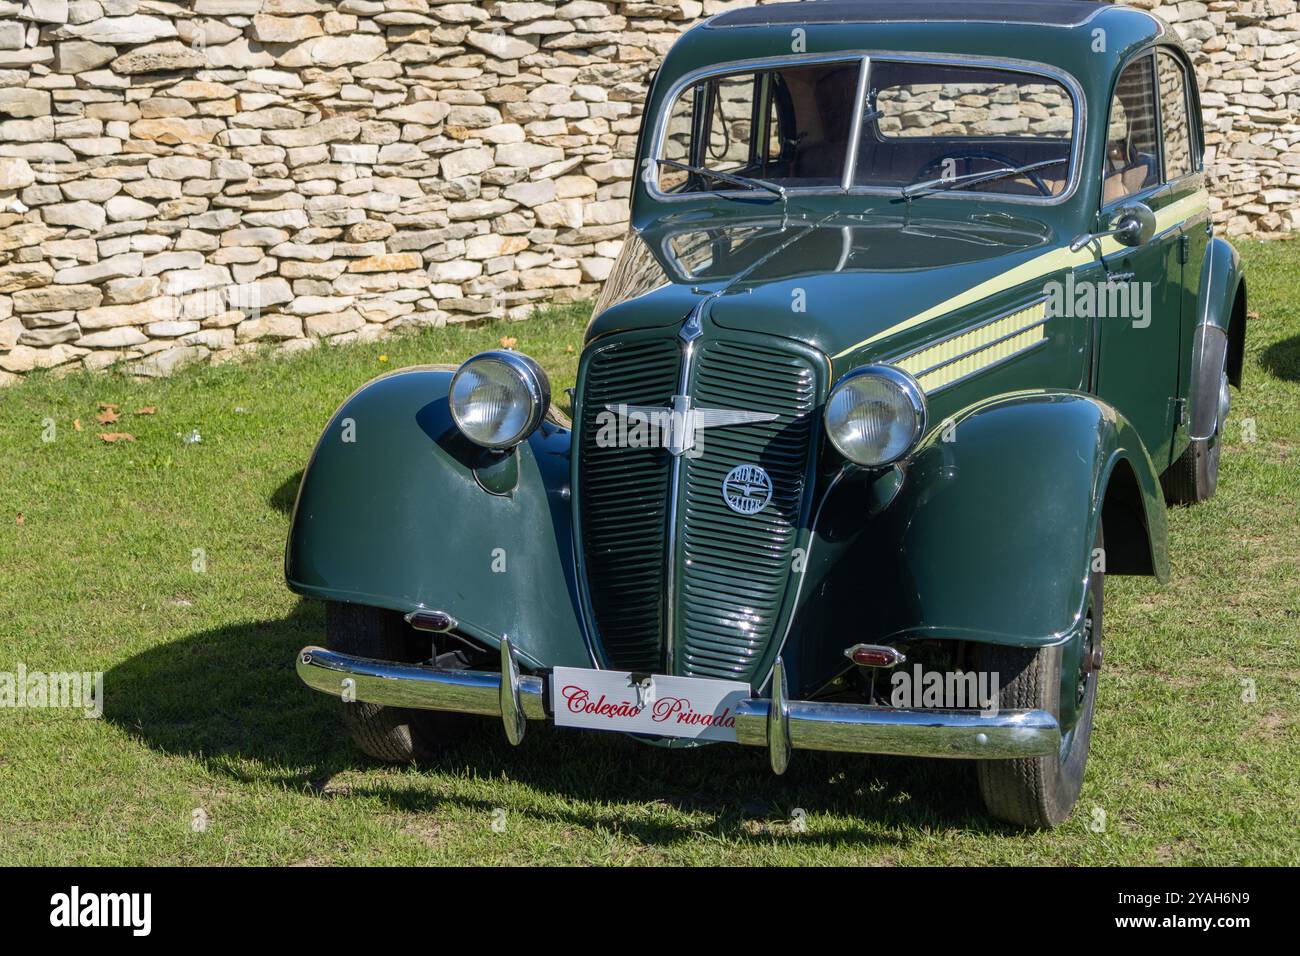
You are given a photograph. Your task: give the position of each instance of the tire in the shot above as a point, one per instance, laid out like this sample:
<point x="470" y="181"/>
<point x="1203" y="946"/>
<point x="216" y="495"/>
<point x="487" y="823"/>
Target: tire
<point x="1040" y="792"/>
<point x="390" y="734"/>
<point x="1194" y="477"/>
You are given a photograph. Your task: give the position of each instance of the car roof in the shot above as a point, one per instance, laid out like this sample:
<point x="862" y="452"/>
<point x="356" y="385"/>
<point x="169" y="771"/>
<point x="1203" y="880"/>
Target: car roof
<point x="1062" y="13"/>
<point x="1062" y="33"/>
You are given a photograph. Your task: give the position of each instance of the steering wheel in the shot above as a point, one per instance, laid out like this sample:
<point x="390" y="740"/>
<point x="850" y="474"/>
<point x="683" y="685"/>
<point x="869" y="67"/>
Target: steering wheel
<point x="969" y="155"/>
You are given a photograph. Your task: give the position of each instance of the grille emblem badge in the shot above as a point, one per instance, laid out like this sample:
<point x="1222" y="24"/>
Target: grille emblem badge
<point x="747" y="489"/>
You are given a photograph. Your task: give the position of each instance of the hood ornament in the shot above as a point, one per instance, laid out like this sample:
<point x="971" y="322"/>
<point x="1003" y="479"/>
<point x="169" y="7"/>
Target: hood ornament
<point x="675" y="426"/>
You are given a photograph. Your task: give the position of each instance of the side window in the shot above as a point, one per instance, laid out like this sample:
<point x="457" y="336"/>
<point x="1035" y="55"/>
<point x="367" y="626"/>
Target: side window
<point x="1173" y="117"/>
<point x="1132" y="154"/>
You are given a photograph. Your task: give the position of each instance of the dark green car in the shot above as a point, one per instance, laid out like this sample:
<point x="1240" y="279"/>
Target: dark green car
<point x="920" y="323"/>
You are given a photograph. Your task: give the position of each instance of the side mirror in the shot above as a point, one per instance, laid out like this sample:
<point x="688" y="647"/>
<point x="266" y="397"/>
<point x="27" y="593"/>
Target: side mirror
<point x="1133" y="225"/>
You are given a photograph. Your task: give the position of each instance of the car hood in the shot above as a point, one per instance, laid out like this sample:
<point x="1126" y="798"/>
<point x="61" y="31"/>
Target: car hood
<point x="831" y="282"/>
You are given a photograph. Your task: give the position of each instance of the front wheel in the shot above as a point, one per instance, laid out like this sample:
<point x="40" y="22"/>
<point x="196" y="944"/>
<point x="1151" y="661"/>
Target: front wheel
<point x="390" y="734"/>
<point x="1040" y="792"/>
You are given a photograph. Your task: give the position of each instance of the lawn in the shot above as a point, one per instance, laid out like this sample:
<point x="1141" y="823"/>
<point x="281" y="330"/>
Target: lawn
<point x="159" y="562"/>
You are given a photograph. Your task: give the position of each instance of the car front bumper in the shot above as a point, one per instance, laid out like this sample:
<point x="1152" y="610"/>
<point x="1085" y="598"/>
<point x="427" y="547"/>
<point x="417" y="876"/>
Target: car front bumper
<point x="776" y="723"/>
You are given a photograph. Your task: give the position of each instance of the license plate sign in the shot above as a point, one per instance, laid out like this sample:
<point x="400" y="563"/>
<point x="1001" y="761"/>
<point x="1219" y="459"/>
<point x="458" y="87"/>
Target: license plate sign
<point x="694" y="707"/>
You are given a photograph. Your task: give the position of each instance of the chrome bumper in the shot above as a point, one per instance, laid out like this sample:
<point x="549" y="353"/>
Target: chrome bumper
<point x="778" y="724"/>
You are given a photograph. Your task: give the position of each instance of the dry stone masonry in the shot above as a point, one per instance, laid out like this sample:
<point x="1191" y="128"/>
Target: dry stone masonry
<point x="182" y="182"/>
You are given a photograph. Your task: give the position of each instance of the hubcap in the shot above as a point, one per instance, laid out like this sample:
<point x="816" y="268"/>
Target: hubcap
<point x="1087" y="661"/>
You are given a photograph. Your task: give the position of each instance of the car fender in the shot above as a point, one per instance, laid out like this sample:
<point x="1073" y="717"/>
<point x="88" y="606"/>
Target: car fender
<point x="997" y="517"/>
<point x="1219" y="338"/>
<point x="397" y="509"/>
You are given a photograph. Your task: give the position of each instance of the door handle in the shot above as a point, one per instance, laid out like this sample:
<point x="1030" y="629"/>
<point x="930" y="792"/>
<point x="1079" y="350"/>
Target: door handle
<point x="1119" y="276"/>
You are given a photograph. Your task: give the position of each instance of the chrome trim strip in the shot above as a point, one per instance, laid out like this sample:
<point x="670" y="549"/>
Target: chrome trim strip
<point x="956" y="59"/>
<point x="691" y="330"/>
<point x="980" y="371"/>
<point x="1032" y="303"/>
<point x="1039" y="300"/>
<point x="855" y="127"/>
<point x="980" y="348"/>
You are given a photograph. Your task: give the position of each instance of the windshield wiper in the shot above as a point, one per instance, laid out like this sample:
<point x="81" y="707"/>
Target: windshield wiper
<point x="974" y="179"/>
<point x="745" y="181"/>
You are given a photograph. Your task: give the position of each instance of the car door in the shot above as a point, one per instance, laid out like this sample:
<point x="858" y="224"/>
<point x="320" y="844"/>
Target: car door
<point x="1184" y="172"/>
<point x="1138" y="309"/>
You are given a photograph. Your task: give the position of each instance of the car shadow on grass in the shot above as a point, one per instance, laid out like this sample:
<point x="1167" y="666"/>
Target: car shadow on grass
<point x="1282" y="359"/>
<point x="230" y="700"/>
<point x="283" y="498"/>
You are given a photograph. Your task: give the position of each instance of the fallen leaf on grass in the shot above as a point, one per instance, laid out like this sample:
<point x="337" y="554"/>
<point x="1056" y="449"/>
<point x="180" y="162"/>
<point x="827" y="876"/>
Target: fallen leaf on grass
<point x="147" y="410"/>
<point x="20" y="520"/>
<point x="76" y="423"/>
<point x="508" y="341"/>
<point x="113" y="437"/>
<point x="109" y="406"/>
<point x="107" y="417"/>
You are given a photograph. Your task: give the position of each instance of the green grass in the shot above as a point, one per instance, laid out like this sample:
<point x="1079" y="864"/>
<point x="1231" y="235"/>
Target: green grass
<point x="203" y="709"/>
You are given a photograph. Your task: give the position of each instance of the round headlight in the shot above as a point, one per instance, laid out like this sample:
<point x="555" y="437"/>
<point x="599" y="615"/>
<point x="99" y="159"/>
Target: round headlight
<point x="876" y="415"/>
<point x="498" y="398"/>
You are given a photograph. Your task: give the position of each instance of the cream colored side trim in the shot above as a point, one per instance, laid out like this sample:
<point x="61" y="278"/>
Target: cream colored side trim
<point x="955" y="358"/>
<point x="1049" y="262"/>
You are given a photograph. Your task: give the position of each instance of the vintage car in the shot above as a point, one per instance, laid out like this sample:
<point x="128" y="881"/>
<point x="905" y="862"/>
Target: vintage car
<point x="917" y="299"/>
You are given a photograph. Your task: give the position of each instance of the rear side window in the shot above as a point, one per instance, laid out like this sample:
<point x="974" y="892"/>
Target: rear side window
<point x="1179" y="158"/>
<point x="1132" y="148"/>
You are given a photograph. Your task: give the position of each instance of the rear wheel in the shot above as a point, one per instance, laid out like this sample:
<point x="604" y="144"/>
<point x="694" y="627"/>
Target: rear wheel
<point x="1040" y="792"/>
<point x="391" y="734"/>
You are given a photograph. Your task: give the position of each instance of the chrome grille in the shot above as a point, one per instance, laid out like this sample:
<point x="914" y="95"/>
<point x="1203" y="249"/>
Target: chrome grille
<point x="734" y="569"/>
<point x="623" y="504"/>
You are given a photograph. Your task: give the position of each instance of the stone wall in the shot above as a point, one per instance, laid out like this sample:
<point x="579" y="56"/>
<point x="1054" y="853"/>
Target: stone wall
<point x="184" y="181"/>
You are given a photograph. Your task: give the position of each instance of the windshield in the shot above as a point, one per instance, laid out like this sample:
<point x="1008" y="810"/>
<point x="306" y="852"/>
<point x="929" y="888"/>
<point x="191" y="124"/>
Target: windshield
<point x="922" y="123"/>
<point x="789" y="126"/>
